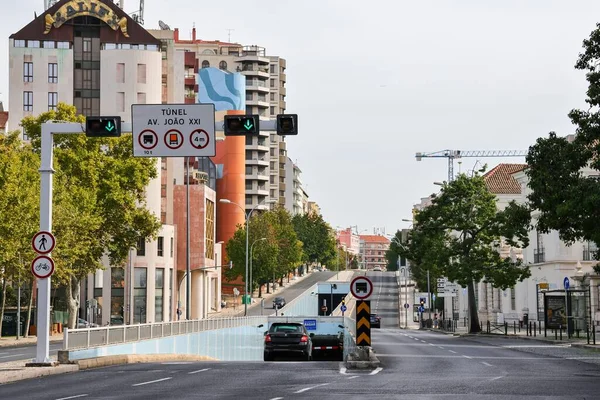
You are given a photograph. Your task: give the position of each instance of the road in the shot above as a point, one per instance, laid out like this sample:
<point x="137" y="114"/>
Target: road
<point x="415" y="365"/>
<point x="291" y="292"/>
<point x="384" y="300"/>
<point x="26" y="352"/>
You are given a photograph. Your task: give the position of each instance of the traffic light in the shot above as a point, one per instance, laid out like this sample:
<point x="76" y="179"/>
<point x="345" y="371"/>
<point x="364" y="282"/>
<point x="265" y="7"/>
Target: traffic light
<point x="422" y="300"/>
<point x="103" y="126"/>
<point x="287" y="124"/>
<point x="241" y="125"/>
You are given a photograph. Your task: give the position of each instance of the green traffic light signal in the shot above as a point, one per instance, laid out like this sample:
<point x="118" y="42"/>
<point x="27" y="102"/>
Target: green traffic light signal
<point x="103" y="126"/>
<point x="241" y="125"/>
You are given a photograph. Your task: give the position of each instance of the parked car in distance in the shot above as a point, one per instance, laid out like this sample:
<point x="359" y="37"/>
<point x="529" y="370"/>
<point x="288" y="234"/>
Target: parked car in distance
<point x="82" y="323"/>
<point x="378" y="269"/>
<point x="278" y="302"/>
<point x="287" y="337"/>
<point x="375" y="321"/>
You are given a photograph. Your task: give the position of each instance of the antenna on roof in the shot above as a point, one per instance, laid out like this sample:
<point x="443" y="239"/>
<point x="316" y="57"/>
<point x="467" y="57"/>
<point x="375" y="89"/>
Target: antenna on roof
<point x="164" y="26"/>
<point x="229" y="34"/>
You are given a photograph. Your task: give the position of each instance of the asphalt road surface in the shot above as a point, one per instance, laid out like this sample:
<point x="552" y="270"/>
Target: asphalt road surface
<point x="26" y="352"/>
<point x="290" y="293"/>
<point x="384" y="300"/>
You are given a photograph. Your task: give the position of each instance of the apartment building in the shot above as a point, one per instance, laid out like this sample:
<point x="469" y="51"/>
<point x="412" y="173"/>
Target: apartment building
<point x="372" y="250"/>
<point x="295" y="196"/>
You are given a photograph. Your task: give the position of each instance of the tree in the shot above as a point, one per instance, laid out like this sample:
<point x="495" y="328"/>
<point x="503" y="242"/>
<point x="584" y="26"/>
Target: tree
<point x="566" y="197"/>
<point x="99" y="201"/>
<point x="290" y="248"/>
<point x="393" y="252"/>
<point x="316" y="237"/>
<point x="460" y="234"/>
<point x="19" y="202"/>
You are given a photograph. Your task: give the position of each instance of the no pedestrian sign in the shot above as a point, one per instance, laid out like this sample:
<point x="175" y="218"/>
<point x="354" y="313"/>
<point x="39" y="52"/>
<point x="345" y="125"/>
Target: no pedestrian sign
<point x="43" y="242"/>
<point x="173" y="130"/>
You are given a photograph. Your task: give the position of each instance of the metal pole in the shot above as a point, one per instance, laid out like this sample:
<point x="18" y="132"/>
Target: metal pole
<point x="43" y="300"/>
<point x="246" y="279"/>
<point x="429" y="294"/>
<point x="188" y="286"/>
<point x="251" y="290"/>
<point x="567" y="312"/>
<point x="19" y="310"/>
<point x="406" y="302"/>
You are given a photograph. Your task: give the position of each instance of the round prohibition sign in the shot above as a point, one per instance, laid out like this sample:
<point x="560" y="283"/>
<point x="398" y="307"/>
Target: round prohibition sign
<point x="361" y="287"/>
<point x="43" y="242"/>
<point x="199" y="139"/>
<point x="173" y="139"/>
<point x="42" y="267"/>
<point x="148" y="139"/>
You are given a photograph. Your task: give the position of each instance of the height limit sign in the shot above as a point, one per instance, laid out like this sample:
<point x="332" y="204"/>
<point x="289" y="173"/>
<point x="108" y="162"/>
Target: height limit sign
<point x="173" y="130"/>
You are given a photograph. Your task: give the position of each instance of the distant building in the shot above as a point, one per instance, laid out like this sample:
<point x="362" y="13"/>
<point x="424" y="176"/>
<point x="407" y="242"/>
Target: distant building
<point x="372" y="250"/>
<point x="294" y="193"/>
<point x="3" y="119"/>
<point x="349" y="240"/>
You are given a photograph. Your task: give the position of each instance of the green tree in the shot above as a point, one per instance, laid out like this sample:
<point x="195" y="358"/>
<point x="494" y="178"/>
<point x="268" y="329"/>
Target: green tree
<point x="99" y="201"/>
<point x="459" y="235"/>
<point x="290" y="248"/>
<point x="316" y="236"/>
<point x="566" y="197"/>
<point x="393" y="252"/>
<point x="19" y="202"/>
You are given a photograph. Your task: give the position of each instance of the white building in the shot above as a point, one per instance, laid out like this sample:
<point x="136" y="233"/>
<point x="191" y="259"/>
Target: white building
<point x="295" y="201"/>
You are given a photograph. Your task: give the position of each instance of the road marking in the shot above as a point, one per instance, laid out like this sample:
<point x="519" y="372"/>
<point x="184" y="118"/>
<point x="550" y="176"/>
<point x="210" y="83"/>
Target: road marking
<point x="73" y="397"/>
<point x="13" y="355"/>
<point x="423" y="341"/>
<point x="379" y="355"/>
<point x="177" y="363"/>
<point x="431" y="344"/>
<point x="441" y="347"/>
<point x="467" y="357"/>
<point x="343" y="370"/>
<point x="200" y="370"/>
<point x="310" y="388"/>
<point x="154" y="381"/>
<point x="277" y="398"/>
<point x="535" y="346"/>
<point x="496" y="378"/>
<point x="376" y="371"/>
<point x="452" y="351"/>
<point x="352" y="377"/>
<point x="484" y="363"/>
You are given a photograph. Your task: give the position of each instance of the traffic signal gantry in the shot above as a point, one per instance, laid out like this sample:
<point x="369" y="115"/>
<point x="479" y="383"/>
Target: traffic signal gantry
<point x="242" y="125"/>
<point x="103" y="126"/>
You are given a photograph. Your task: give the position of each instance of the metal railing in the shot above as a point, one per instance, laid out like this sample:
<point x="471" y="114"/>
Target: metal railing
<point x="107" y="335"/>
<point x="539" y="256"/>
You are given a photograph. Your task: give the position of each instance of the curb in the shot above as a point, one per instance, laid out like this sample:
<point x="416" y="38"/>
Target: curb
<point x="372" y="363"/>
<point x="19" y="374"/>
<point x="17" y="343"/>
<point x="107" y="361"/>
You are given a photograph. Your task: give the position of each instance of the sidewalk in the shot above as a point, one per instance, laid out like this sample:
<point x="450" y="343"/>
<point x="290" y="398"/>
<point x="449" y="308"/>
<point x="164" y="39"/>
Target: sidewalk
<point x="11" y="341"/>
<point x="239" y="309"/>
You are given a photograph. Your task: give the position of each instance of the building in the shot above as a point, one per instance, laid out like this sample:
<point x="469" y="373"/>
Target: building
<point x="372" y="250"/>
<point x="313" y="207"/>
<point x="295" y="196"/>
<point x="349" y="240"/>
<point x="3" y="119"/>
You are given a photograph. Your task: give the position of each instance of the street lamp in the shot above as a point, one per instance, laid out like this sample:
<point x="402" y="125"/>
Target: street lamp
<point x="247" y="215"/>
<point x="257" y="240"/>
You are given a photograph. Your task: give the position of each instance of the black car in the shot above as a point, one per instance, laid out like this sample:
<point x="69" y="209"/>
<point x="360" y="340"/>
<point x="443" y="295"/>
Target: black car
<point x="287" y="337"/>
<point x="278" y="302"/>
<point x="375" y="321"/>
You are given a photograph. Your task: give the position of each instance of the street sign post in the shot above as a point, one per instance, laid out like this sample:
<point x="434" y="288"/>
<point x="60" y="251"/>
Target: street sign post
<point x="363" y="323"/>
<point x="42" y="267"/>
<point x="43" y="242"/>
<point x="173" y="130"/>
<point x="361" y="287"/>
<point x="310" y="324"/>
<point x="566" y="284"/>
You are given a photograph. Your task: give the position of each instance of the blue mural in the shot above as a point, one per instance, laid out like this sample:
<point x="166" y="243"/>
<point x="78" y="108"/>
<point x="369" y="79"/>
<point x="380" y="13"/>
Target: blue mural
<point x="226" y="90"/>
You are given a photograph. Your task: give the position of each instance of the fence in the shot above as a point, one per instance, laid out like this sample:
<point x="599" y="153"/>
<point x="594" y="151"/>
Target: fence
<point x="109" y="335"/>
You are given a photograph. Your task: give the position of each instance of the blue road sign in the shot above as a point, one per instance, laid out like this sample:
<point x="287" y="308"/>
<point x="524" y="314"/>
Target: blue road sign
<point x="343" y="308"/>
<point x="566" y="283"/>
<point x="421" y="309"/>
<point x="406" y="305"/>
<point x="310" y="324"/>
<point x="433" y="297"/>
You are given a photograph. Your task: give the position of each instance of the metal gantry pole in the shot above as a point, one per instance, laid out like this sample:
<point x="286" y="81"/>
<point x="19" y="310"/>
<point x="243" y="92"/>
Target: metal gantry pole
<point x="246" y="279"/>
<point x="188" y="285"/>
<point x="429" y="294"/>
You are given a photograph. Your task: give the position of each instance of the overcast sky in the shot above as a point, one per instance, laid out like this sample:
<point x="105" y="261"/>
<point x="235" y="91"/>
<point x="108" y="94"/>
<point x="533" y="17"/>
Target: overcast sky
<point x="374" y="82"/>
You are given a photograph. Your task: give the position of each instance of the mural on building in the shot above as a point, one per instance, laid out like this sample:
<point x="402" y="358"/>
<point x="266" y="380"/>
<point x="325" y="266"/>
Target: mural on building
<point x="225" y="89"/>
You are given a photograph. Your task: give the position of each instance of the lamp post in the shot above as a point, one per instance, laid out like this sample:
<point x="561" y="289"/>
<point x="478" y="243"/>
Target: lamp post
<point x="247" y="216"/>
<point x="257" y="240"/>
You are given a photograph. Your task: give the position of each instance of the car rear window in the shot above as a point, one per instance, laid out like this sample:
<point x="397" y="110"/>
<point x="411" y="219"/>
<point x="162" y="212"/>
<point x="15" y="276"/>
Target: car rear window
<point x="286" y="328"/>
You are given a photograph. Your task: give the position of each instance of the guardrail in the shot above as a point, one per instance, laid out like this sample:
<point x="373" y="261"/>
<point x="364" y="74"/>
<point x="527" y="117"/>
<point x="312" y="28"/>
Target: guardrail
<point x="86" y="338"/>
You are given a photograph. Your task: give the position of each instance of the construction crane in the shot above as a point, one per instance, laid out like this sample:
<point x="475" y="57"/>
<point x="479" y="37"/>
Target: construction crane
<point x="452" y="154"/>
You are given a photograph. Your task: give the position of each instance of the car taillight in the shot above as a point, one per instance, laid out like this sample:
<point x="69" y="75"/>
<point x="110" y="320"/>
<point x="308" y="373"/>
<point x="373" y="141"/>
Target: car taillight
<point x="304" y="339"/>
<point x="267" y="338"/>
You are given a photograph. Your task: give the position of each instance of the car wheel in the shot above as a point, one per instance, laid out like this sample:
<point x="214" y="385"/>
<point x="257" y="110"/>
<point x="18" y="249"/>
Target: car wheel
<point x="308" y="357"/>
<point x="267" y="357"/>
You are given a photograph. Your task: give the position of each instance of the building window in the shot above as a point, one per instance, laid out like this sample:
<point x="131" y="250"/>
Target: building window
<point x="141" y="98"/>
<point x="158" y="297"/>
<point x="513" y="299"/>
<point x="223" y="65"/>
<point x="249" y="96"/>
<point x="52" y="73"/>
<point x="63" y="45"/>
<point x="52" y="100"/>
<point x="19" y="43"/>
<point x="141" y="247"/>
<point x="249" y="110"/>
<point x="210" y="229"/>
<point x="272" y="96"/>
<point x="49" y="44"/>
<point x="120" y="73"/>
<point x="27" y="72"/>
<point x="171" y="248"/>
<point x="139" y="295"/>
<point x="141" y="73"/>
<point x="160" y="246"/>
<point x="120" y="101"/>
<point x="87" y="45"/>
<point x="27" y="101"/>
<point x="272" y="110"/>
<point x="205" y="64"/>
<point x="117" y="295"/>
<point x="33" y="43"/>
<point x="86" y="108"/>
<point x="272" y="82"/>
<point x="273" y="68"/>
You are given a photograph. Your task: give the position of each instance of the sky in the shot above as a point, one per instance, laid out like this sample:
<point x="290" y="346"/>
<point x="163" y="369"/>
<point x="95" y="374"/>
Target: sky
<point x="375" y="82"/>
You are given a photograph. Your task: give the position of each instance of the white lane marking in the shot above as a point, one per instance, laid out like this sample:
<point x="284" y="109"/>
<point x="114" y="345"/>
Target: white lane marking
<point x="441" y="347"/>
<point x="352" y="377"/>
<point x="343" y="371"/>
<point x="312" y="387"/>
<point x="431" y="344"/>
<point x="13" y="355"/>
<point x="452" y="351"/>
<point x="73" y="397"/>
<point x="481" y="357"/>
<point x="376" y="371"/>
<point x="277" y="398"/>
<point x="177" y="363"/>
<point x="200" y="370"/>
<point x="154" y="381"/>
<point x="484" y="363"/>
<point x="423" y="341"/>
<point x="467" y="357"/>
<point x="535" y="346"/>
<point x="496" y="378"/>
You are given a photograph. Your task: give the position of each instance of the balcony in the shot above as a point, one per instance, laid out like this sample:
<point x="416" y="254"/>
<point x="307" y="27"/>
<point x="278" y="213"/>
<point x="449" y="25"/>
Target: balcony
<point x="262" y="161"/>
<point x="254" y="70"/>
<point x="283" y="77"/>
<point x="257" y="86"/>
<point x="258" y="176"/>
<point x="190" y="80"/>
<point x="539" y="256"/>
<point x="282" y="159"/>
<point x="259" y="103"/>
<point x="282" y="186"/>
<point x="259" y="191"/>
<point x="282" y="91"/>
<point x="589" y="254"/>
<point x="189" y="59"/>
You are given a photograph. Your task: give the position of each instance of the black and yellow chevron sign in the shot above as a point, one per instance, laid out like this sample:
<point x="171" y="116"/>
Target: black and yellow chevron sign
<point x="363" y="323"/>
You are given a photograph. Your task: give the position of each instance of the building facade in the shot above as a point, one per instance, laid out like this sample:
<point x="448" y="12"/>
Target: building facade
<point x="372" y="250"/>
<point x="295" y="200"/>
<point x="349" y="240"/>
